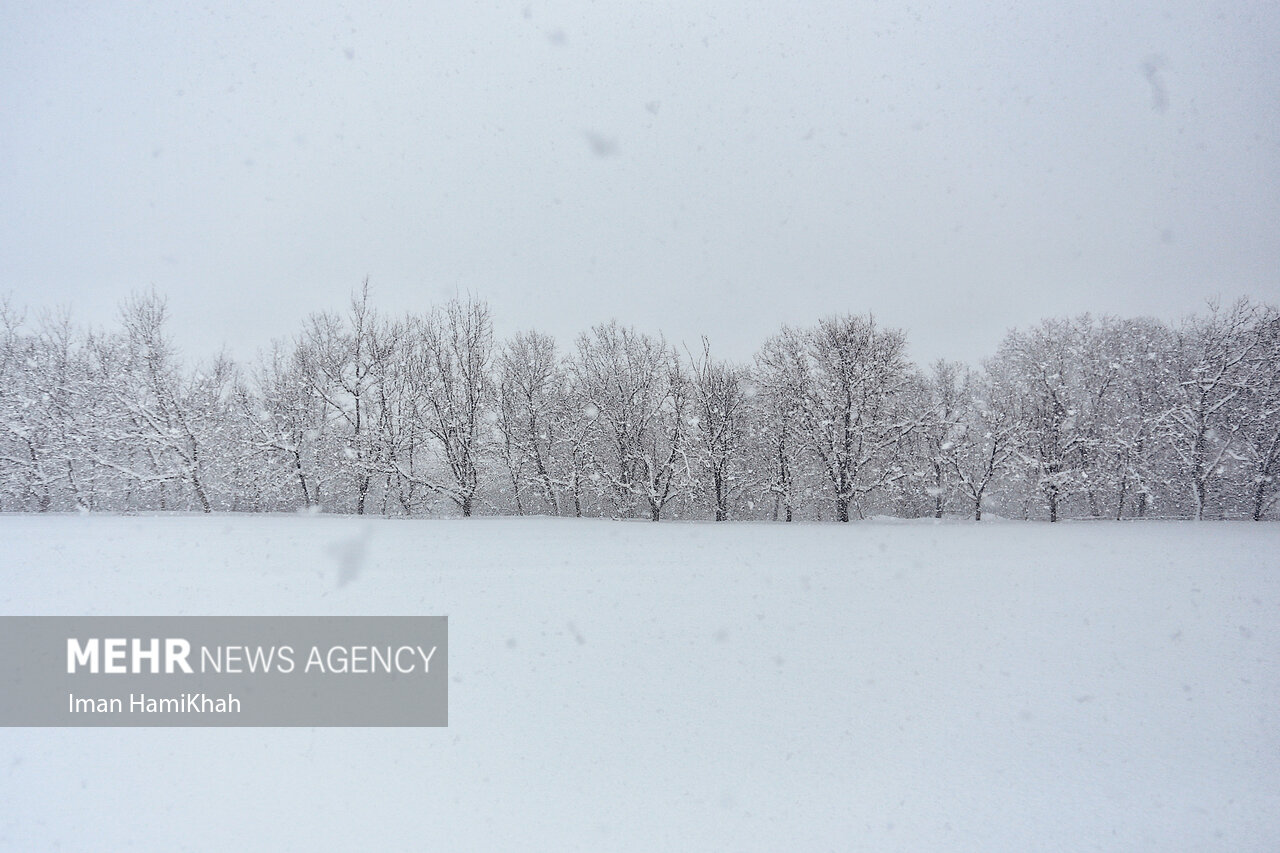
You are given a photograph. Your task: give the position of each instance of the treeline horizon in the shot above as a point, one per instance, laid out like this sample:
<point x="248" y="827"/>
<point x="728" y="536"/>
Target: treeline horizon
<point x="427" y="414"/>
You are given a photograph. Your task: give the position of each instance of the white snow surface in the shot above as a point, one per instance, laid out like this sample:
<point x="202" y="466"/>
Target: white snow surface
<point x="632" y="686"/>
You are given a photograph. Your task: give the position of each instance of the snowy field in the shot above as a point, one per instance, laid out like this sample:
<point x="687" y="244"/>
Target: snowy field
<point x="630" y="686"/>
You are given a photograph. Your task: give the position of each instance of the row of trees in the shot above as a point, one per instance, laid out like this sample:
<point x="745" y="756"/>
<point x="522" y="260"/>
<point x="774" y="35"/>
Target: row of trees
<point x="428" y="414"/>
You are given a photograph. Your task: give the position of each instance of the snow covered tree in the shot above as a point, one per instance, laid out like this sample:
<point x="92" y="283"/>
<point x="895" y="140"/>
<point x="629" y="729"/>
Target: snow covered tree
<point x="535" y="419"/>
<point x="164" y="420"/>
<point x="941" y="427"/>
<point x="636" y="392"/>
<point x="286" y="424"/>
<point x="340" y="360"/>
<point x="1041" y="367"/>
<point x="719" y="406"/>
<point x="780" y="378"/>
<point x="853" y="389"/>
<point x="1133" y="356"/>
<point x="1258" y="412"/>
<point x="983" y="449"/>
<point x="45" y="409"/>
<point x="1215" y="358"/>
<point x="453" y="352"/>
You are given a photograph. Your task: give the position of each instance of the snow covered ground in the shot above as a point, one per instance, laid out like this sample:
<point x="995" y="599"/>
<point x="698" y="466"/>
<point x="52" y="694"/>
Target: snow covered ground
<point x="632" y="686"/>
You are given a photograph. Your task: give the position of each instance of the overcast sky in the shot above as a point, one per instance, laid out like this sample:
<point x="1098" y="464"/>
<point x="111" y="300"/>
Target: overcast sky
<point x="713" y="168"/>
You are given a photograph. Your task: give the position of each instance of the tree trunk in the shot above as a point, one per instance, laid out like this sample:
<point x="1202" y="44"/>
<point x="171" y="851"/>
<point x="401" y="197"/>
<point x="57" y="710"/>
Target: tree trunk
<point x="302" y="479"/>
<point x="1199" y="476"/>
<point x="720" y="497"/>
<point x="362" y="490"/>
<point x="842" y="509"/>
<point x="204" y="501"/>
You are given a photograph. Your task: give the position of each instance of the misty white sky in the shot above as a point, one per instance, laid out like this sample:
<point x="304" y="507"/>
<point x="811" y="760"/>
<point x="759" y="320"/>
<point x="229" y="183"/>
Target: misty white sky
<point x="695" y="167"/>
